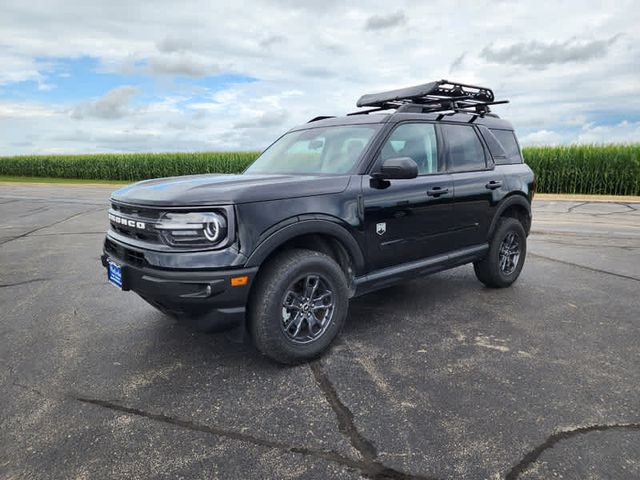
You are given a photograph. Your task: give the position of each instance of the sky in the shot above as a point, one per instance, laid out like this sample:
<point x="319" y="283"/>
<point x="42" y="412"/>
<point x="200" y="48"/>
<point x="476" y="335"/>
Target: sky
<point x="82" y="76"/>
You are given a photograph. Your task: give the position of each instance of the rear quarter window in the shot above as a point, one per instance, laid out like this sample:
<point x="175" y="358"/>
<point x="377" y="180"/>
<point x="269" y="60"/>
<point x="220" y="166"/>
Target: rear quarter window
<point x="510" y="145"/>
<point x="495" y="147"/>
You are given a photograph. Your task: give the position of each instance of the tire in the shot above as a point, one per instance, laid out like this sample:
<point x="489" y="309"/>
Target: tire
<point x="296" y="333"/>
<point x="490" y="270"/>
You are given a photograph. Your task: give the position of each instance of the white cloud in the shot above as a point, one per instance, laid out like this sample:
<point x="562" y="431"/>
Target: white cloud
<point x="623" y="132"/>
<point x="541" y="137"/>
<point x="457" y="62"/>
<point x="171" y="45"/>
<point x="18" y="68"/>
<point x="114" y="104"/>
<point x="264" y="119"/>
<point x="381" y="22"/>
<point x="318" y="49"/>
<point x="270" y="40"/>
<point x="180" y="64"/>
<point x="13" y="110"/>
<point x="45" y="87"/>
<point x="535" y="53"/>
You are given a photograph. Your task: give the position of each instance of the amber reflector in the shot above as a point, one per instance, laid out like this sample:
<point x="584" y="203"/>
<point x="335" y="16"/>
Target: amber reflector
<point x="239" y="281"/>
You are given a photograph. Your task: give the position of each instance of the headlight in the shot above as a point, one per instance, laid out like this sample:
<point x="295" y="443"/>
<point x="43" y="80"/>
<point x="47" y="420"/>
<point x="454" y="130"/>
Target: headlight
<point x="195" y="229"/>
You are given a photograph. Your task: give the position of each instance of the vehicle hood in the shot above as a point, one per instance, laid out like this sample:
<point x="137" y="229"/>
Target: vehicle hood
<point x="221" y="189"/>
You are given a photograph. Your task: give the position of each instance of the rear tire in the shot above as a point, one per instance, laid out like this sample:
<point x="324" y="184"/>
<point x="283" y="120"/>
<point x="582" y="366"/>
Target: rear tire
<point x="504" y="260"/>
<point x="298" y="305"/>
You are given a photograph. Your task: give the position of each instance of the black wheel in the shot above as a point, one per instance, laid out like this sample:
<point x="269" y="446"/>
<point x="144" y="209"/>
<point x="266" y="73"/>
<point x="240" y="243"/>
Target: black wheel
<point x="504" y="260"/>
<point x="298" y="306"/>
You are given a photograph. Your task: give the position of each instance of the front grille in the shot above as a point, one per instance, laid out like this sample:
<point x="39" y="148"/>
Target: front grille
<point x="143" y="213"/>
<point x="151" y="236"/>
<point x="146" y="216"/>
<point x="132" y="257"/>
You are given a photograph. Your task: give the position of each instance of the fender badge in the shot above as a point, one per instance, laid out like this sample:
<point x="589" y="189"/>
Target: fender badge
<point x="381" y="228"/>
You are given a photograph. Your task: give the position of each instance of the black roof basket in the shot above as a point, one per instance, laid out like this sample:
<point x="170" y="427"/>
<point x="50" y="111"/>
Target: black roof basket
<point x="436" y="96"/>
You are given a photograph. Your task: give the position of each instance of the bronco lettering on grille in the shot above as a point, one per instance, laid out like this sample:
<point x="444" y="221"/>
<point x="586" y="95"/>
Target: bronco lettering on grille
<point x="126" y="222"/>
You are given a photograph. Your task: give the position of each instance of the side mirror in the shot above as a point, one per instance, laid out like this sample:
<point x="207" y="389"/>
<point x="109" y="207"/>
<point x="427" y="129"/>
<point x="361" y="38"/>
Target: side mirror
<point x="397" y="169"/>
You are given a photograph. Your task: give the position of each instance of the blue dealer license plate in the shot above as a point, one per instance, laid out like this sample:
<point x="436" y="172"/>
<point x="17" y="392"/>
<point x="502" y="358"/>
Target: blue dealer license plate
<point x="115" y="274"/>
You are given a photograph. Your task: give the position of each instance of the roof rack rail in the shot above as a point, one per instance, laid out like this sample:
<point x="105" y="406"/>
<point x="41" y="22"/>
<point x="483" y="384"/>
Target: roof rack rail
<point x="438" y="96"/>
<point x="321" y="117"/>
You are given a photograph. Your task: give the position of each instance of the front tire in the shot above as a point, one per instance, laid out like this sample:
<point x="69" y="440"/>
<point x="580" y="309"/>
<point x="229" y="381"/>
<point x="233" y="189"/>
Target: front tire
<point x="298" y="306"/>
<point x="504" y="260"/>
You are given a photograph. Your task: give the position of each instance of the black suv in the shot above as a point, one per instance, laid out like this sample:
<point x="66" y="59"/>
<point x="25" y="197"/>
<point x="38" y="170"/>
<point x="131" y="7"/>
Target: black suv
<point x="335" y="208"/>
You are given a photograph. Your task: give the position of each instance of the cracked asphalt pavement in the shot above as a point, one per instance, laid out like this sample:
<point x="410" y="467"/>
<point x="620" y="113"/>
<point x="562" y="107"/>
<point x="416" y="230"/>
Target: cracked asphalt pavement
<point x="438" y="378"/>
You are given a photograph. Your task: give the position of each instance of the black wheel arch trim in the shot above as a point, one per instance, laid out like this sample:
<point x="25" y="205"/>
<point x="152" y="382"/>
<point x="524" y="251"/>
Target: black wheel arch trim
<point x="305" y="225"/>
<point x="510" y="201"/>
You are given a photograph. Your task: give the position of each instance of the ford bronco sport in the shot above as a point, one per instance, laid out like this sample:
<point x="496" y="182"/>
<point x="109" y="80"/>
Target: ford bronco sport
<point x="424" y="179"/>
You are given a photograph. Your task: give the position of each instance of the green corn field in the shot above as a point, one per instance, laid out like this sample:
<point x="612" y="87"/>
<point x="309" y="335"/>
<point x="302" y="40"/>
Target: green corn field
<point x="586" y="169"/>
<point x="125" y="166"/>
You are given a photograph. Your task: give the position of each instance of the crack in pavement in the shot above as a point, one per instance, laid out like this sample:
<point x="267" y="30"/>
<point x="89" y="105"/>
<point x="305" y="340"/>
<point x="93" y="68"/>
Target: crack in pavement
<point x="575" y="222"/>
<point x="234" y="435"/>
<point x="50" y="200"/>
<point x="591" y="269"/>
<point x="366" y="468"/>
<point x="373" y="467"/>
<point x="582" y="204"/>
<point x="569" y="243"/>
<point x="621" y="204"/>
<point x="604" y="214"/>
<point x="43" y="208"/>
<point x="590" y="235"/>
<point x="570" y="209"/>
<point x="369" y="466"/>
<point x="628" y="205"/>
<point x="27" y="387"/>
<point x="3" y="285"/>
<point x="532" y="456"/>
<point x="70" y="233"/>
<point x="26" y="234"/>
<point x="346" y="424"/>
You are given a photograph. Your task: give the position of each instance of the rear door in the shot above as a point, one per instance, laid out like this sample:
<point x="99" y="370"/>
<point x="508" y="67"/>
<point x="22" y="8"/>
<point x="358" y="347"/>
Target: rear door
<point x="478" y="186"/>
<point x="411" y="219"/>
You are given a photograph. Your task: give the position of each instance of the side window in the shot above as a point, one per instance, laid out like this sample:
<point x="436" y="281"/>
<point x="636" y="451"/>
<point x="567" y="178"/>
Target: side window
<point x="464" y="150"/>
<point x="508" y="140"/>
<point x="414" y="140"/>
<point x="495" y="147"/>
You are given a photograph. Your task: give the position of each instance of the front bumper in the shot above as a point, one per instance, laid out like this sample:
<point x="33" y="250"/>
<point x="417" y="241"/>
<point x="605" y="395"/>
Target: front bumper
<point x="205" y="297"/>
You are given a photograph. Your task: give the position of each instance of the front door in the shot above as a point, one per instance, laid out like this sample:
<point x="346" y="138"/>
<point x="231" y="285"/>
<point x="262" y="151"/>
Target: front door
<point x="407" y="220"/>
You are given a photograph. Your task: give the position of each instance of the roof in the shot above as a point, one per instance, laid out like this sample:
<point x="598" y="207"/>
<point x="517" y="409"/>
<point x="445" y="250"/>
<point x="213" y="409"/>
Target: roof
<point x="345" y="120"/>
<point x="489" y="121"/>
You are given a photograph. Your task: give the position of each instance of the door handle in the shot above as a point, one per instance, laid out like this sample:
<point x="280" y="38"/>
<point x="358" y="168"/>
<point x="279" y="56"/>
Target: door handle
<point x="437" y="191"/>
<point x="493" y="184"/>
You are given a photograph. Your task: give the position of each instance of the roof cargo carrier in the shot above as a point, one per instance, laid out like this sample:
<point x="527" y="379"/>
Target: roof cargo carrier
<point x="438" y="96"/>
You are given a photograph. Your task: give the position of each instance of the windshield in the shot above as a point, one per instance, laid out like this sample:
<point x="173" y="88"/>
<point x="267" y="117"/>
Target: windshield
<point x="328" y="150"/>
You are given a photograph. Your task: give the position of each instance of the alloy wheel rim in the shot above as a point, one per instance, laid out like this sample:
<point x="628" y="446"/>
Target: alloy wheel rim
<point x="307" y="309"/>
<point x="509" y="253"/>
